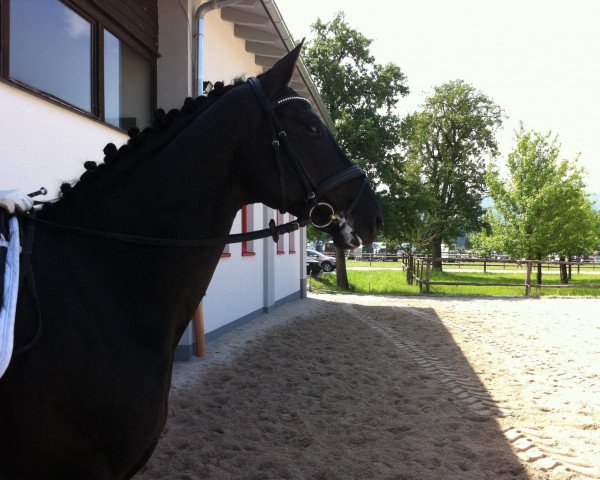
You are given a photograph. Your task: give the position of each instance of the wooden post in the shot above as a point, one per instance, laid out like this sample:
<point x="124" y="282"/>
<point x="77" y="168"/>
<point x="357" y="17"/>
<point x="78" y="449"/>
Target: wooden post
<point x="528" y="279"/>
<point x="199" y="330"/>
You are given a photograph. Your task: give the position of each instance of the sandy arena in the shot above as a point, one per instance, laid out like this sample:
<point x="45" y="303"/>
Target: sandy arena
<point x="395" y="388"/>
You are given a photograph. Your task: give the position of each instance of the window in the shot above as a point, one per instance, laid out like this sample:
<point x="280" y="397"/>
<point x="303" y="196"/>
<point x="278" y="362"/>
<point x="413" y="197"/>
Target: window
<point x="127" y="85"/>
<point x="280" y="245"/>
<point x="72" y="52"/>
<point x="292" y="239"/>
<point x="247" y="226"/>
<point x="51" y="50"/>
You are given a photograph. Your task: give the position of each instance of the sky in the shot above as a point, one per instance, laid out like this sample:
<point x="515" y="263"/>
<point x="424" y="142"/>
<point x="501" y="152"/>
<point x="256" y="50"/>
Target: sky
<point x="537" y="59"/>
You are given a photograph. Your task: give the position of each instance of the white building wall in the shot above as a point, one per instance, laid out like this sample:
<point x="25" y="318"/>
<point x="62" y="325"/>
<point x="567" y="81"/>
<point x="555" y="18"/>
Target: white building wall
<point x="225" y="56"/>
<point x="43" y="144"/>
<point x="241" y="285"/>
<point x="236" y="289"/>
<point x="287" y="268"/>
<point x="237" y="286"/>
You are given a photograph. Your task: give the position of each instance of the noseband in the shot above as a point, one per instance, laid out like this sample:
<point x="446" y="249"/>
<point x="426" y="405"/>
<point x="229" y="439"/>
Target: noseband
<point x="319" y="212"/>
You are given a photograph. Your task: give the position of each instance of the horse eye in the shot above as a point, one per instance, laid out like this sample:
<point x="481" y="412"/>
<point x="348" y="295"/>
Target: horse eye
<point x="314" y="129"/>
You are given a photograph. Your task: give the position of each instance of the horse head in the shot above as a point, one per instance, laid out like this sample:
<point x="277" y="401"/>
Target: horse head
<point x="289" y="148"/>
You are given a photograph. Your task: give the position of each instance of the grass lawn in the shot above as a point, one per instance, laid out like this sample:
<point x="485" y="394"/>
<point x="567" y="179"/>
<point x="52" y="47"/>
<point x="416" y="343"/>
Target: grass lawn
<point x="387" y="281"/>
<point x="369" y="281"/>
<point x="377" y="264"/>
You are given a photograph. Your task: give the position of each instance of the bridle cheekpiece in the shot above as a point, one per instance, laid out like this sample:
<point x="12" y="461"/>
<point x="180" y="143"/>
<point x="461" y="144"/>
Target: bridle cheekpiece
<point x="320" y="213"/>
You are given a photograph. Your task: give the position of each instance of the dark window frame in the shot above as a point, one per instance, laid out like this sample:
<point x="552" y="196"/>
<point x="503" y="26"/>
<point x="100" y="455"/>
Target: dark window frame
<point x="292" y="237"/>
<point x="247" y="226"/>
<point x="280" y="244"/>
<point x="100" y="21"/>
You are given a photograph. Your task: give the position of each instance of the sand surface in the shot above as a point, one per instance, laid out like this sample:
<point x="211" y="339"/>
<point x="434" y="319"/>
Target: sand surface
<point x="405" y="388"/>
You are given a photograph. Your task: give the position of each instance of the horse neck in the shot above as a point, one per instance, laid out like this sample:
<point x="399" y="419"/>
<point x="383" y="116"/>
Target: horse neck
<point x="188" y="189"/>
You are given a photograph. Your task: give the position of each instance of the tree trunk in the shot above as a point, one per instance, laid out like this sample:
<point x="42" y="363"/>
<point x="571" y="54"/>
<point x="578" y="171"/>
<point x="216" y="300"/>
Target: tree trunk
<point x="570" y="258"/>
<point x="436" y="253"/>
<point x="564" y="276"/>
<point x="340" y="268"/>
<point x="539" y="273"/>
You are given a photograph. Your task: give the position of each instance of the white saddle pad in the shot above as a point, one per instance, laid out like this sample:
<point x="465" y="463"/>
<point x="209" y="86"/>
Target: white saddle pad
<point x="11" y="289"/>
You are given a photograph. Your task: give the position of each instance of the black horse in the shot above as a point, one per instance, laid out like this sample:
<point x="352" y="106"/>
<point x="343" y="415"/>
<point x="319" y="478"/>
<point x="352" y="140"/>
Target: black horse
<point x="88" y="400"/>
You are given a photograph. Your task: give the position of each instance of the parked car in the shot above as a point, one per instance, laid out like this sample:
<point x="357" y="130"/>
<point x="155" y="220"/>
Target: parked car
<point x="313" y="267"/>
<point x="327" y="262"/>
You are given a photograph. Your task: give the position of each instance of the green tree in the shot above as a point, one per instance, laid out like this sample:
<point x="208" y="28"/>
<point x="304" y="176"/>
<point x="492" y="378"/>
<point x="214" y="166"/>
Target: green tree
<point x="315" y="235"/>
<point x="361" y="95"/>
<point x="447" y="145"/>
<point x="541" y="207"/>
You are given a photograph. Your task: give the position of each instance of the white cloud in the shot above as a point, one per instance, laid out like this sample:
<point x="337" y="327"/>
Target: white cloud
<point x="77" y="27"/>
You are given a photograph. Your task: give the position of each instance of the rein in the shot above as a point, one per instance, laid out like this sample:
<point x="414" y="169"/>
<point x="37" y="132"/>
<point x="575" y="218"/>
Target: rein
<point x="274" y="231"/>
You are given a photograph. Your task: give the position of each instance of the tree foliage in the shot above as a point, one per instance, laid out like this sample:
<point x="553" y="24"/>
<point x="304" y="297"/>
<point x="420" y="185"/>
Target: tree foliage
<point x="360" y="95"/>
<point x="447" y="144"/>
<point x="541" y="208"/>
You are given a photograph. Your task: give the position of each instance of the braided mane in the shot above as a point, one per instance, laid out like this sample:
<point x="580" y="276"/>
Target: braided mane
<point x="165" y="126"/>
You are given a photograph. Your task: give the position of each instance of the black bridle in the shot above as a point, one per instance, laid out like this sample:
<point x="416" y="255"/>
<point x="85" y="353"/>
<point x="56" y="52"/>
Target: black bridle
<point x="320" y="213"/>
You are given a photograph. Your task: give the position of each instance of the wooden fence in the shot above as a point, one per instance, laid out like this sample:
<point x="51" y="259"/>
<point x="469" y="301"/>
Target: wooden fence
<point x="418" y="269"/>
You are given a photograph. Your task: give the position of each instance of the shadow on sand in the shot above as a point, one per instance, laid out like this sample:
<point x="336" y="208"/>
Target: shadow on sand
<point x="356" y="392"/>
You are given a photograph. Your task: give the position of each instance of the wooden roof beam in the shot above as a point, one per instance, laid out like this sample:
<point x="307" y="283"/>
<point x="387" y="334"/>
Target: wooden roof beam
<point x="265" y="61"/>
<point x="242" y="17"/>
<point x="265" y="50"/>
<point x="297" y="85"/>
<point x="254" y="34"/>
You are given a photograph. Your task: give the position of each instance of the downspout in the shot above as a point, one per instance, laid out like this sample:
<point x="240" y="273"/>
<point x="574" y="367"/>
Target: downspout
<point x="197" y="89"/>
<point x="198" y="35"/>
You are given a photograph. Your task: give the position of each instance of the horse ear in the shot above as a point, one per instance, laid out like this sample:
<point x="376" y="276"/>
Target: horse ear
<point x="279" y="76"/>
